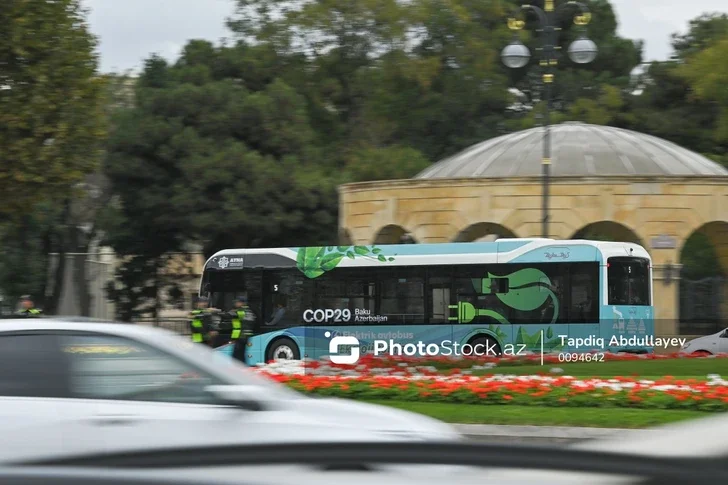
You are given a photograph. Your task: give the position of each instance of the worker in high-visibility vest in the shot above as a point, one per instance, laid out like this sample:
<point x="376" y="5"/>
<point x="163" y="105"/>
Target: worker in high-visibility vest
<point x="242" y="326"/>
<point x="27" y="308"/>
<point x="200" y="323"/>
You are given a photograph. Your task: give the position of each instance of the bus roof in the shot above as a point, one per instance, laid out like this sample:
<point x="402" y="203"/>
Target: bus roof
<point x="536" y="250"/>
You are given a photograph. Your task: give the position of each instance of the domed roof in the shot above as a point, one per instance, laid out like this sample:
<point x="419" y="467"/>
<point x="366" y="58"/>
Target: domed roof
<point x="577" y="149"/>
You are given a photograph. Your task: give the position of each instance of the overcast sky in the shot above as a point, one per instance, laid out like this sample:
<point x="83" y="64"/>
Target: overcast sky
<point x="130" y="30"/>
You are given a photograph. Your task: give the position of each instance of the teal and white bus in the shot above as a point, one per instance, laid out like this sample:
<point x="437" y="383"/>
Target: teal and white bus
<point x="507" y="296"/>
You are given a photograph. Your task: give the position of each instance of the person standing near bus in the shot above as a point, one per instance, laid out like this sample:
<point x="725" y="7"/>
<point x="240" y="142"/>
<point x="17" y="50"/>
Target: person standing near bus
<point x="200" y="323"/>
<point x="28" y="309"/>
<point x="242" y="327"/>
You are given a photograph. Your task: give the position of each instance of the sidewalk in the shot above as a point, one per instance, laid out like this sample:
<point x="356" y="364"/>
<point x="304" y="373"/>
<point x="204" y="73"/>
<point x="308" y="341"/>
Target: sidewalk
<point x="548" y="432"/>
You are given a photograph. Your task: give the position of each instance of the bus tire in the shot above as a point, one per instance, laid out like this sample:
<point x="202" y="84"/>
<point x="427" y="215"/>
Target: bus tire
<point x="488" y="342"/>
<point x="283" y="349"/>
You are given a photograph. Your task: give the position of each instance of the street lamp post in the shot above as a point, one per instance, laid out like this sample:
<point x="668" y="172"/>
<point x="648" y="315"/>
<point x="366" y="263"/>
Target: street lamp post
<point x="516" y="55"/>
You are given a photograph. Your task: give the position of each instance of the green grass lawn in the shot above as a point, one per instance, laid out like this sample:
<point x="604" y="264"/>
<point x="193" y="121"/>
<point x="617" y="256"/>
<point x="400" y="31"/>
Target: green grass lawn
<point x="543" y="416"/>
<point x="648" y="369"/>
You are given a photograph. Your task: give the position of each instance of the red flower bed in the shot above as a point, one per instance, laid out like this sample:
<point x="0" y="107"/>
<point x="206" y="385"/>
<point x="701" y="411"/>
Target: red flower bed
<point x="666" y="393"/>
<point x="423" y="380"/>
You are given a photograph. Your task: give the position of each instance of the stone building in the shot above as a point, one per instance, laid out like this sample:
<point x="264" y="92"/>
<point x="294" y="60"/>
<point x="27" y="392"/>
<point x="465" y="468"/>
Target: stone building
<point x="606" y="183"/>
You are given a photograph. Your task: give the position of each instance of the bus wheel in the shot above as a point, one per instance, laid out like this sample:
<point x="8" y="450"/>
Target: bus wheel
<point x="487" y="346"/>
<point x="701" y="353"/>
<point x="283" y="349"/>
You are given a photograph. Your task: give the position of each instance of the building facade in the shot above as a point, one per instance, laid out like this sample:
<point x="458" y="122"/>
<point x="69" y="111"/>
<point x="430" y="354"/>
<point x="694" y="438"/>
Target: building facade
<point x="606" y="183"/>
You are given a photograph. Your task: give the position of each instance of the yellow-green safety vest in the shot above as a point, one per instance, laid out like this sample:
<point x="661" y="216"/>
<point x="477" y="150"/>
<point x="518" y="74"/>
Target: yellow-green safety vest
<point x="197" y="327"/>
<point x="237" y="324"/>
<point x="31" y="311"/>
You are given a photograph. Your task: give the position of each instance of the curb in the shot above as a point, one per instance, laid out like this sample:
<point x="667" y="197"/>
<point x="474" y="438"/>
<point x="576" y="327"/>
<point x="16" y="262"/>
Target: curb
<point x="548" y="432"/>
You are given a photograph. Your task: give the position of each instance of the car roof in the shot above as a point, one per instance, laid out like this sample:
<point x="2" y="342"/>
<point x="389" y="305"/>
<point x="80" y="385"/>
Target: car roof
<point x="80" y="324"/>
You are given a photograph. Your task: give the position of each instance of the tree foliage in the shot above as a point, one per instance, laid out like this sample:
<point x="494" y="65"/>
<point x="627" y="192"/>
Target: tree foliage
<point x="52" y="129"/>
<point x="243" y="144"/>
<point x="51" y="109"/>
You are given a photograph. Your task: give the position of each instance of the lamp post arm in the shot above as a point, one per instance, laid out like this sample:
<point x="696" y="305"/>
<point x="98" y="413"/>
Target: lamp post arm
<point x="583" y="17"/>
<point x="515" y="24"/>
<point x="542" y="19"/>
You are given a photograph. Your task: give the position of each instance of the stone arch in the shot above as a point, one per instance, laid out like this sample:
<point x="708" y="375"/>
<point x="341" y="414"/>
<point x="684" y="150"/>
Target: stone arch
<point x="345" y="237"/>
<point x="484" y="231"/>
<point x="712" y="240"/>
<point x="703" y="292"/>
<point x="608" y="231"/>
<point x="393" y="234"/>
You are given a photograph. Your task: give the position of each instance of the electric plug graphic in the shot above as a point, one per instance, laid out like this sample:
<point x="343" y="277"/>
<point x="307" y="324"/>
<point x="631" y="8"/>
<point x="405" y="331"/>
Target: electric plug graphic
<point x="466" y="313"/>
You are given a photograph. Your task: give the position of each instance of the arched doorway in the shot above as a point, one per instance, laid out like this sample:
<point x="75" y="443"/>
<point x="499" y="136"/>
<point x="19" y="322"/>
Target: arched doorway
<point x="703" y="302"/>
<point x="345" y="237"/>
<point x="608" y="231"/>
<point x="394" y="234"/>
<point x="484" y="231"/>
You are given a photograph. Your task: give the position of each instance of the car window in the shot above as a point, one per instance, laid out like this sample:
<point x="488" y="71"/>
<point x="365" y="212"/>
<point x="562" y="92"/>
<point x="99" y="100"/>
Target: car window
<point x="112" y="367"/>
<point x="31" y="365"/>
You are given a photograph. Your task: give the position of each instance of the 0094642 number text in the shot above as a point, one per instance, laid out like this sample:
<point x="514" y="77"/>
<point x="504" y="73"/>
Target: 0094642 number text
<point x="585" y="357"/>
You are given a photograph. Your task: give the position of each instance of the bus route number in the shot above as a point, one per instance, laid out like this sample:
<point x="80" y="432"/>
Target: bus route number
<point x="321" y="315"/>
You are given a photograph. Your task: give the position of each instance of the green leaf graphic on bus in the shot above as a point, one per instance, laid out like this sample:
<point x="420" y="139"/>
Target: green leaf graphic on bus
<point x="315" y="261"/>
<point x="528" y="290"/>
<point x="498" y="332"/>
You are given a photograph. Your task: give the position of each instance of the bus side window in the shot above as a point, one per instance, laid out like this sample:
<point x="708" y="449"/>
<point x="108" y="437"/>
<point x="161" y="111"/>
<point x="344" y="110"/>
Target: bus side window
<point x="402" y="295"/>
<point x="439" y="287"/>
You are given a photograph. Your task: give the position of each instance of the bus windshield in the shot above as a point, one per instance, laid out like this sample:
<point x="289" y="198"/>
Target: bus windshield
<point x="629" y="281"/>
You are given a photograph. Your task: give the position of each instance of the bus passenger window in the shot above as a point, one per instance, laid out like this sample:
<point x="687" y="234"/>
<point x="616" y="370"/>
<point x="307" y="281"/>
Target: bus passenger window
<point x="286" y="298"/>
<point x="403" y="297"/>
<point x="584" y="293"/>
<point x="628" y="280"/>
<point x="361" y="294"/>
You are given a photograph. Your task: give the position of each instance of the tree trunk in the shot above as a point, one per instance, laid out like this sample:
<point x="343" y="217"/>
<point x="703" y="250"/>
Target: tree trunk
<point x="157" y="303"/>
<point x="79" y="246"/>
<point x="59" y="247"/>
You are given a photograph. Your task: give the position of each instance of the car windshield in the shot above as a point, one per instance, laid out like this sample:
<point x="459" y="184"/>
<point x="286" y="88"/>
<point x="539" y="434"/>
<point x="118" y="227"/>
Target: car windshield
<point x="229" y="369"/>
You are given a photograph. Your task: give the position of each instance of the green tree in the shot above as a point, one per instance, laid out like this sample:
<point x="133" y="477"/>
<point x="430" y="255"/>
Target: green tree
<point x="707" y="74"/>
<point x="703" y="32"/>
<point x="52" y="126"/>
<point x="384" y="73"/>
<point x="670" y="103"/>
<point x="215" y="154"/>
<point x="51" y="102"/>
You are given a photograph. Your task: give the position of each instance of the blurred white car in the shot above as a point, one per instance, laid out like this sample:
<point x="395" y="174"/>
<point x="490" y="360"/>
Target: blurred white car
<point x="716" y="343"/>
<point x="700" y="439"/>
<point x="88" y="386"/>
